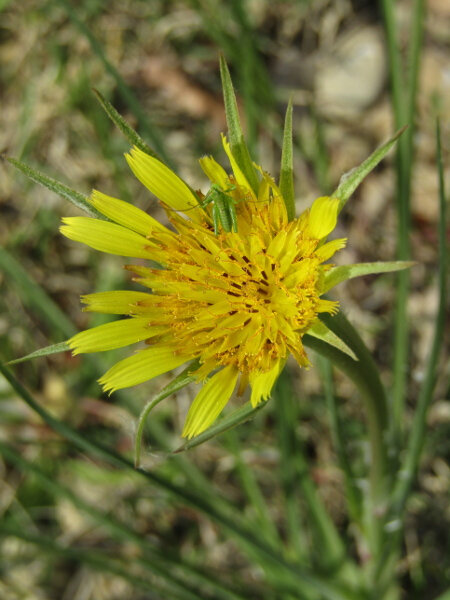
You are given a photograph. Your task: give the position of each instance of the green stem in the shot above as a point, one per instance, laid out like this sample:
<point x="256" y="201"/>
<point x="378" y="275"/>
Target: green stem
<point x="417" y="435"/>
<point x="368" y="380"/>
<point x="410" y="464"/>
<point x="364" y="374"/>
<point x="353" y="493"/>
<point x="250" y="486"/>
<point x="404" y="111"/>
<point x="329" y="551"/>
<point x="174" y="386"/>
<point x="286" y="411"/>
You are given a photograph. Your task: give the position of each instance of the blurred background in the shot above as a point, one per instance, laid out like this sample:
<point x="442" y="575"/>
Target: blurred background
<point x="157" y="62"/>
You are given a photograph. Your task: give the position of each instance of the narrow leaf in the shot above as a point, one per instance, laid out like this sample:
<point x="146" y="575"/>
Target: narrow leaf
<point x="418" y="430"/>
<point x="34" y="296"/>
<point x="351" y="180"/>
<point x="342" y="273"/>
<point x="132" y="136"/>
<point x="287" y="165"/>
<point x="238" y="416"/>
<point x="294" y="468"/>
<point x="145" y="125"/>
<point x="53" y="349"/>
<point x="353" y="491"/>
<point x="236" y="137"/>
<point x="320" y="331"/>
<point x="78" y="199"/>
<point x="178" y="383"/>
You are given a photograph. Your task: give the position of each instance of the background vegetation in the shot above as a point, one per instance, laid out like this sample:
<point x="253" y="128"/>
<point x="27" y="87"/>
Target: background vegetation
<point x="78" y="526"/>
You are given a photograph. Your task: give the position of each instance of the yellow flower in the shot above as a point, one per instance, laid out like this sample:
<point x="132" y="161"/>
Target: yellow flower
<point x="239" y="303"/>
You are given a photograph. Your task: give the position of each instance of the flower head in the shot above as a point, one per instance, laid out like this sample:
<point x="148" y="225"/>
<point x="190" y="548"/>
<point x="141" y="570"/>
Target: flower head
<point x="239" y="302"/>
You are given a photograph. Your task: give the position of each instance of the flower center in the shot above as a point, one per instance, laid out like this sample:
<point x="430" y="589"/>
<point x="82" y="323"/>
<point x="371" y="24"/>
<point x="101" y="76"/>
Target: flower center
<point x="241" y="299"/>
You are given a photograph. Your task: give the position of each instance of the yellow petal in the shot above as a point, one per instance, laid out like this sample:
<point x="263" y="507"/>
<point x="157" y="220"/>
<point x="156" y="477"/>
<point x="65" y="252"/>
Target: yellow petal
<point x="323" y="217"/>
<point x="298" y="352"/>
<point x="210" y="401"/>
<point x="125" y="214"/>
<point x="115" y="303"/>
<point x="329" y="306"/>
<point x="327" y="250"/>
<point x="262" y="384"/>
<point x="141" y="367"/>
<point x="214" y="172"/>
<point x="163" y="183"/>
<point x="276" y="246"/>
<point x="106" y="237"/>
<point x="114" y="335"/>
<point x="238" y="174"/>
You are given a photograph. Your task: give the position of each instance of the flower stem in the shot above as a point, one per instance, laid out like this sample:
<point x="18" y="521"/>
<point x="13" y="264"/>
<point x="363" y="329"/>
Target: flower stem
<point x="364" y="374"/>
<point x="353" y="493"/>
<point x="177" y="384"/>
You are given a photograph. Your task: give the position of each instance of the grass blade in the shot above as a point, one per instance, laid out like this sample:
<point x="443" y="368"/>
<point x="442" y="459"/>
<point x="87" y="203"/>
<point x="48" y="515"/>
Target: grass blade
<point x="35" y="296"/>
<point x="416" y="437"/>
<point x="236" y="137"/>
<point x="342" y="273"/>
<point x="53" y="349"/>
<point x="132" y="136"/>
<point x="404" y="95"/>
<point x="79" y="200"/>
<point x="177" y="384"/>
<point x="295" y="473"/>
<point x="286" y="414"/>
<point x="353" y="493"/>
<point x="351" y="180"/>
<point x="287" y="165"/>
<point x="127" y="94"/>
<point x="252" y="490"/>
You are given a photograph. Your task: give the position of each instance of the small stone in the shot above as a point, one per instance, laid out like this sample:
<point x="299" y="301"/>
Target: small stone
<point x="351" y="78"/>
